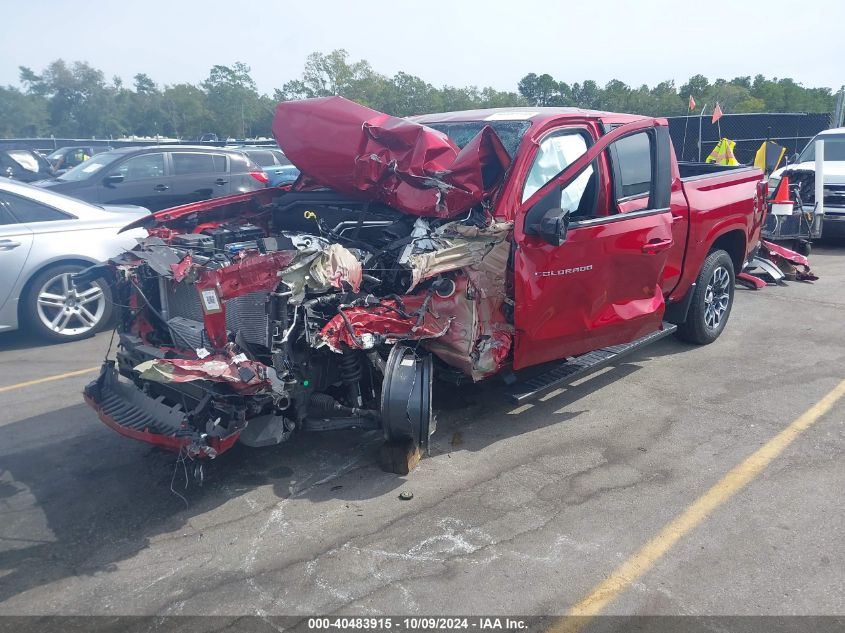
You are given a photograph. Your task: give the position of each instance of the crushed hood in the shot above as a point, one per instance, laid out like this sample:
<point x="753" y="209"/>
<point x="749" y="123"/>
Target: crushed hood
<point x="352" y="149"/>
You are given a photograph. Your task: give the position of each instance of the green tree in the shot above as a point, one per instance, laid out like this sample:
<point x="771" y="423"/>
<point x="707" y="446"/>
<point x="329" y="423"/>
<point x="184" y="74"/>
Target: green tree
<point x="232" y="99"/>
<point x="24" y="115"/>
<point x="79" y="102"/>
<point x="539" y="90"/>
<point x="185" y="112"/>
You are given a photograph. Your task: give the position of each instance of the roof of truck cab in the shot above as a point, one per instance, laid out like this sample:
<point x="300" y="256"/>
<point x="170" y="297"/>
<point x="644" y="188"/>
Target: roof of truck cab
<point x="535" y="115"/>
<point x="835" y="131"/>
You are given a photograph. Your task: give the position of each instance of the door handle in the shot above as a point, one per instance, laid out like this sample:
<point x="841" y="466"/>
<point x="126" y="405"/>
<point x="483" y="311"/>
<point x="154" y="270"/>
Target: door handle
<point x="161" y="187"/>
<point x="8" y="245"/>
<point x="678" y="218"/>
<point x="220" y="181"/>
<point x="656" y="246"/>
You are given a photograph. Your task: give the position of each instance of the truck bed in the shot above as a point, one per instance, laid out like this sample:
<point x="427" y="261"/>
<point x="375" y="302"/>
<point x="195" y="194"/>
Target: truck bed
<point x="690" y="170"/>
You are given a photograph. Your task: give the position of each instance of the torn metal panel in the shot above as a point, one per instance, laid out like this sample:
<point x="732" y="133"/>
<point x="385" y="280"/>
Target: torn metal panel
<point x="457" y="246"/>
<point x="243" y="375"/>
<point x="157" y="255"/>
<point x="363" y="327"/>
<point x="252" y="273"/>
<point x="792" y="265"/>
<point x="355" y="150"/>
<point x="750" y="281"/>
<point x="334" y="267"/>
<point x="180" y="270"/>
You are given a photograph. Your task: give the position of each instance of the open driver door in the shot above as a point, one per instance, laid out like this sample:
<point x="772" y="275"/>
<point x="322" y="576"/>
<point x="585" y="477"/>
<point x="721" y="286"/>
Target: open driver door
<point x="591" y="246"/>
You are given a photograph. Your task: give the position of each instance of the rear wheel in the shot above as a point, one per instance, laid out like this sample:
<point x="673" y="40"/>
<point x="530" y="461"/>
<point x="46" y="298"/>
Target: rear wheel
<point x="712" y="300"/>
<point x="57" y="309"/>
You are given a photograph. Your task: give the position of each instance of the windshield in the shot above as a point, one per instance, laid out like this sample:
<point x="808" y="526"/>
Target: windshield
<point x="462" y="132"/>
<point x="56" y="154"/>
<point x="834" y="149"/>
<point x="90" y="167"/>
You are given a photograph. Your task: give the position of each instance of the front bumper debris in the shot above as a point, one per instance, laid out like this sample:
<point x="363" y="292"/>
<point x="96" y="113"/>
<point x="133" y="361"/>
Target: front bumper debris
<point x="130" y="412"/>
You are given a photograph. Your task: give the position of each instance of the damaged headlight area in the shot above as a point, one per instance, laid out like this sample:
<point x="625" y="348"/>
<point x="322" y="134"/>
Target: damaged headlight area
<point x="312" y="312"/>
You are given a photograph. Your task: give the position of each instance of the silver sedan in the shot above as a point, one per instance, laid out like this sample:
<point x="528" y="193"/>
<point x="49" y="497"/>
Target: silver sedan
<point x="45" y="238"/>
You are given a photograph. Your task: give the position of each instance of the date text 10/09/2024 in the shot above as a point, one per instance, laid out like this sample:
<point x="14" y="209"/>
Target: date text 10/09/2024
<point x="418" y="623"/>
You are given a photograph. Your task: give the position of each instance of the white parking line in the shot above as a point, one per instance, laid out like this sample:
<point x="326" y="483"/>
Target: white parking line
<point x="520" y="409"/>
<point x="554" y="393"/>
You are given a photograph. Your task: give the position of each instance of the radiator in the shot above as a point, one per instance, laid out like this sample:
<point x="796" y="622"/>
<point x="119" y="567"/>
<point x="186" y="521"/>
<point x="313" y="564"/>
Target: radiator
<point x="246" y="314"/>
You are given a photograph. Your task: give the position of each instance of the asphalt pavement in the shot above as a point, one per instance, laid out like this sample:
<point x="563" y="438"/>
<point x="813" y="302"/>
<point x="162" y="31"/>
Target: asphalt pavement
<point x="516" y="511"/>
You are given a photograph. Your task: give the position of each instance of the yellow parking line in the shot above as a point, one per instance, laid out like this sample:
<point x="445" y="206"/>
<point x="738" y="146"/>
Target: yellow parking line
<point x="38" y="381"/>
<point x="739" y="476"/>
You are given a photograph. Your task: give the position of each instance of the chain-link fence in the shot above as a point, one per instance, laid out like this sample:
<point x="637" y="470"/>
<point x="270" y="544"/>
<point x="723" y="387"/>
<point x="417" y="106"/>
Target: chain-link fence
<point x="793" y="130"/>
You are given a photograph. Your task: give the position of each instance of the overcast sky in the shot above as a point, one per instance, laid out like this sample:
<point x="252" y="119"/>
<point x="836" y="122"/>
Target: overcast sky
<point x="494" y="42"/>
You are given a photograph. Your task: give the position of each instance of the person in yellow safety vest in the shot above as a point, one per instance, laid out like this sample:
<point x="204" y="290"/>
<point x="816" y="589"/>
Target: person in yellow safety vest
<point x="723" y="153"/>
<point x="80" y="156"/>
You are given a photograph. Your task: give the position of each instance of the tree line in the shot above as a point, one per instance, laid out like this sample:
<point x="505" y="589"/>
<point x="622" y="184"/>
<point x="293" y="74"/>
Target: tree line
<point x="74" y="99"/>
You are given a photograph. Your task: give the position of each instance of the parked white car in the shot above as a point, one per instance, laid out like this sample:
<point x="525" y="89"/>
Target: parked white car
<point x="45" y="238"/>
<point x="834" y="177"/>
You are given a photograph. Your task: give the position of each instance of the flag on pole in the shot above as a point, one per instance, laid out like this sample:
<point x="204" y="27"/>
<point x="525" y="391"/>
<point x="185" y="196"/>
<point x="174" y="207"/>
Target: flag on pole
<point x="717" y="113"/>
<point x="768" y="157"/>
<point x="691" y="103"/>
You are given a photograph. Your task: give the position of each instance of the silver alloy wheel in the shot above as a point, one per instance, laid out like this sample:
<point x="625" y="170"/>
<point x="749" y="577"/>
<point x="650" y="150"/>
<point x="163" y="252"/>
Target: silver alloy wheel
<point x="69" y="310"/>
<point x="717" y="297"/>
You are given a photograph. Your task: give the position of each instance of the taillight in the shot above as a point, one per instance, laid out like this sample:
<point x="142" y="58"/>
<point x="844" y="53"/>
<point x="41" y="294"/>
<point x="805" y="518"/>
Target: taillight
<point x="260" y="176"/>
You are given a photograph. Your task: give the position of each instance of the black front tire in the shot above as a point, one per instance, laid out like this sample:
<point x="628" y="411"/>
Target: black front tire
<point x="712" y="300"/>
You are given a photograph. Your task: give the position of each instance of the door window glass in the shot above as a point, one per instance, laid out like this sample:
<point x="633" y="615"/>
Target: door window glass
<point x="142" y="167"/>
<point x="263" y="159"/>
<point x="185" y="163"/>
<point x="555" y="154"/>
<point x="5" y="216"/>
<point x="633" y="156"/>
<point x="219" y="163"/>
<point x="26" y="210"/>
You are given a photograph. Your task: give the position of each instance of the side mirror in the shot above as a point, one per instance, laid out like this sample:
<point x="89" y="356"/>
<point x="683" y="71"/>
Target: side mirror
<point x="547" y="219"/>
<point x="113" y="179"/>
<point x="554" y="226"/>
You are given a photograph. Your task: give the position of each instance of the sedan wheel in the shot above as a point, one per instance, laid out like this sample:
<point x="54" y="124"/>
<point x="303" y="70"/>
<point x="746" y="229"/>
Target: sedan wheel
<point x="62" y="310"/>
<point x="69" y="310"/>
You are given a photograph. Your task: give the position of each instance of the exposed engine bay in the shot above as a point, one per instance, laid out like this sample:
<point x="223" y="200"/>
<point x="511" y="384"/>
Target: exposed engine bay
<point x="326" y="305"/>
<point x="314" y="311"/>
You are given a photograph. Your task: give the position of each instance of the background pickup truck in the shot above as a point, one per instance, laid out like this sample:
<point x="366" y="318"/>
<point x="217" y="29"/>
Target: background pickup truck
<point x="518" y="243"/>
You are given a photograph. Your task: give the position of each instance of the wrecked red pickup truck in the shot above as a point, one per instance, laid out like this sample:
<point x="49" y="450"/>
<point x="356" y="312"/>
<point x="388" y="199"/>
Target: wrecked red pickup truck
<point x="466" y="244"/>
